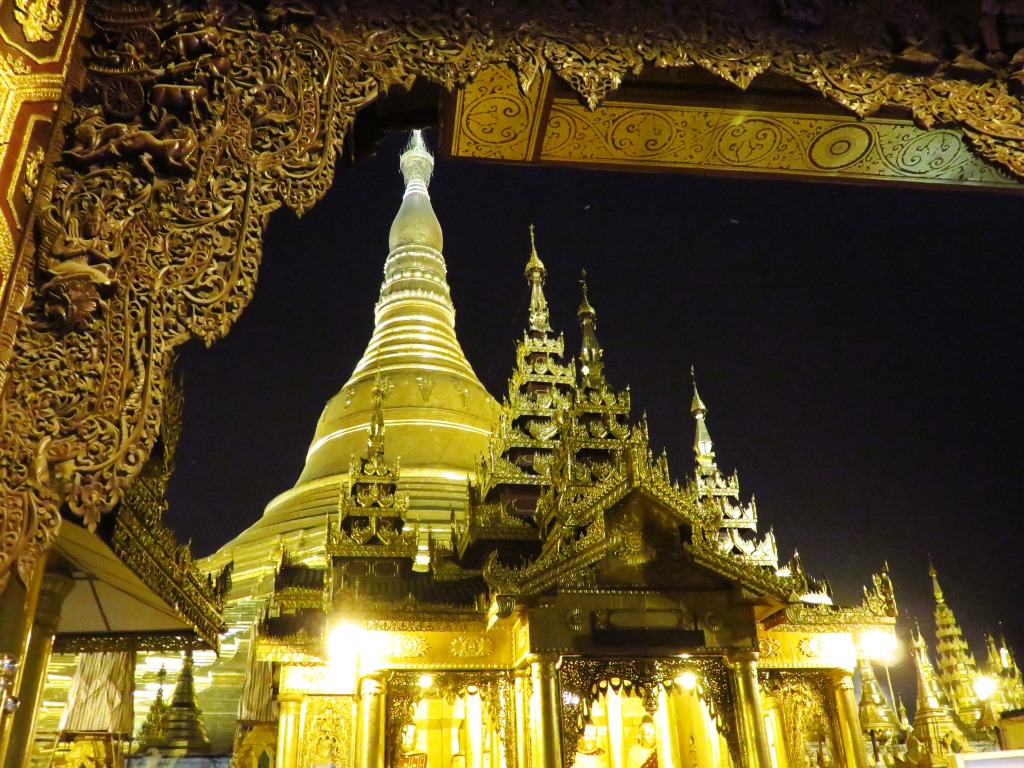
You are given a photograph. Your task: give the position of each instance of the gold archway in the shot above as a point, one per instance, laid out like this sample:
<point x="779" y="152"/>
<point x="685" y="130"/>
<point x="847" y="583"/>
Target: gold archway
<point x="181" y="132"/>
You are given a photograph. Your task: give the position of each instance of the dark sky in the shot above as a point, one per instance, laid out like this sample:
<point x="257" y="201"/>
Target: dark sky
<point x="859" y="350"/>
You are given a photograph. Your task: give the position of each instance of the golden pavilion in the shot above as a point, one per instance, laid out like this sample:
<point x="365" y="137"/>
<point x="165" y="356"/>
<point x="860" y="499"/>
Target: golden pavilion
<point x="457" y="582"/>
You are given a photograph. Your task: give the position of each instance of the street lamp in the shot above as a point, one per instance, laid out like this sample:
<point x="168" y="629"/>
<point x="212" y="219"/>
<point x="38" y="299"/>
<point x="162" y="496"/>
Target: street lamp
<point x="881" y="646"/>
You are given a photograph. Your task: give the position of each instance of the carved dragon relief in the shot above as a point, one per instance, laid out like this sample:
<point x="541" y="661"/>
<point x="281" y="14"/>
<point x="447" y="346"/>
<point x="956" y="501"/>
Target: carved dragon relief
<point x="190" y="127"/>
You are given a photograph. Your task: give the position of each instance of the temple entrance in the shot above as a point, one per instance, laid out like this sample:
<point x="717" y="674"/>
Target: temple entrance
<point x="621" y="733"/>
<point x="455" y="731"/>
<point x="451" y="720"/>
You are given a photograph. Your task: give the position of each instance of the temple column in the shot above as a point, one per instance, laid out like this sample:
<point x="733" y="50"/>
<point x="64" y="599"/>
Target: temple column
<point x="748" y="710"/>
<point x="370" y="723"/>
<point x="547" y="720"/>
<point x="616" y="733"/>
<point x="849" y="720"/>
<point x="18" y="607"/>
<point x="522" y="700"/>
<point x="668" y="736"/>
<point x="474" y="731"/>
<point x="54" y="588"/>
<point x="288" y="730"/>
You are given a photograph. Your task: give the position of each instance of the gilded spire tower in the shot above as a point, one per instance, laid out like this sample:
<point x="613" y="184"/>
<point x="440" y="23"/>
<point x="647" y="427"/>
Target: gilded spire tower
<point x="934" y="722"/>
<point x="518" y="459"/>
<point x="739" y="521"/>
<point x="957" y="668"/>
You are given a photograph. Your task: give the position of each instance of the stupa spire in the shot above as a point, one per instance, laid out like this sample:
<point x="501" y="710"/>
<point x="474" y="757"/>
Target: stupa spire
<point x="535" y="275"/>
<point x="934" y="725"/>
<point x="875" y="712"/>
<point x="936" y="589"/>
<point x="591" y="353"/>
<point x="957" y="668"/>
<point x="442" y="415"/>
<point x="184" y="732"/>
<point x="702" y="445"/>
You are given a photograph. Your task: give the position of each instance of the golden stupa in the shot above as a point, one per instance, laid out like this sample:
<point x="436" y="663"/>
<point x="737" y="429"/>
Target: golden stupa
<point x="438" y="411"/>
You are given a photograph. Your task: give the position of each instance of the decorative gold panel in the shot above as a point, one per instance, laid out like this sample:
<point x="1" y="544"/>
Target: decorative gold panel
<point x="661" y="136"/>
<point x="794" y="650"/>
<point x="494" y="120"/>
<point x="328" y="731"/>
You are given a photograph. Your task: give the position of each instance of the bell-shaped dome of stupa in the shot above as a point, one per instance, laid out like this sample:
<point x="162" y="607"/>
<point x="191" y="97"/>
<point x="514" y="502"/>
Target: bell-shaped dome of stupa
<point x="438" y="414"/>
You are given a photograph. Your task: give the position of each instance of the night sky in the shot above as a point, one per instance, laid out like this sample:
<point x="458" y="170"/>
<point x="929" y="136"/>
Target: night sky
<point x="858" y="348"/>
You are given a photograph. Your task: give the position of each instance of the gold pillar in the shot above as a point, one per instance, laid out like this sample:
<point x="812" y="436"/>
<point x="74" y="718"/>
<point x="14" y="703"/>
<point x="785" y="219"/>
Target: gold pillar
<point x="370" y="723"/>
<point x="849" y="720"/>
<point x="288" y="729"/>
<point x="55" y="586"/>
<point x="474" y="731"/>
<point x="668" y="736"/>
<point x="522" y="718"/>
<point x="748" y="710"/>
<point x="547" y="721"/>
<point x="17" y="607"/>
<point x="616" y="737"/>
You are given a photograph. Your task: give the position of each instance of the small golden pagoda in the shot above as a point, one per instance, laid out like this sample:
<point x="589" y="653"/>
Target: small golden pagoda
<point x="581" y="606"/>
<point x="957" y="668"/>
<point x="937" y="728"/>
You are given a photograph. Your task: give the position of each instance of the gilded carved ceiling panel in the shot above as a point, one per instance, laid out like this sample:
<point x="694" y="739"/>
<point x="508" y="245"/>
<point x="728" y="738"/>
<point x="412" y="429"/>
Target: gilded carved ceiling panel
<point x="191" y="125"/>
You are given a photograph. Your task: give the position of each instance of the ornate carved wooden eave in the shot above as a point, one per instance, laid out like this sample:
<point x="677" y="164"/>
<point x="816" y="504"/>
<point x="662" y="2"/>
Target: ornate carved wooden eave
<point x="91" y="642"/>
<point x="171" y="154"/>
<point x="152" y="551"/>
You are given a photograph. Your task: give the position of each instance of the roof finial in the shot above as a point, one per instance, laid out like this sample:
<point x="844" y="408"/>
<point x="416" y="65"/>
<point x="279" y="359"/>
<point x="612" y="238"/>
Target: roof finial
<point x="697" y="406"/>
<point x="417" y="164"/>
<point x="535" y="273"/>
<point x="375" y="442"/>
<point x="591" y="354"/>
<point x="703" y="447"/>
<point x="936" y="589"/>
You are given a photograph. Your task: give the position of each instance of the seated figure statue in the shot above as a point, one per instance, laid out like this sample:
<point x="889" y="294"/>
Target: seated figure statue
<point x="411" y="757"/>
<point x="643" y="754"/>
<point x="589" y="753"/>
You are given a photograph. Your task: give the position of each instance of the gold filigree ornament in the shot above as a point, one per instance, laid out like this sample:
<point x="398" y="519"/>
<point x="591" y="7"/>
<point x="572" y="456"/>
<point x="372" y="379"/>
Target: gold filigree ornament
<point x="811" y="647"/>
<point x="40" y="20"/>
<point x="409" y="647"/>
<point x="768" y="647"/>
<point x="471" y="646"/>
<point x="32" y="169"/>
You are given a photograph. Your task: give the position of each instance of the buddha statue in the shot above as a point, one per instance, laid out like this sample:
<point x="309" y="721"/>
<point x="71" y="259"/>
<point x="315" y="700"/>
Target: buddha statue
<point x="411" y="757"/>
<point x="589" y="753"/>
<point x="643" y="754"/>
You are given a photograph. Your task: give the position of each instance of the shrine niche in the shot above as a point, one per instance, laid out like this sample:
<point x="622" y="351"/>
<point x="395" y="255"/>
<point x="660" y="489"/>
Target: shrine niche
<point x="676" y="712"/>
<point x="185" y="127"/>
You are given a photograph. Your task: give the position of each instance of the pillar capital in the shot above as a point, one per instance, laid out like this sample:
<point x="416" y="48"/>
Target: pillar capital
<point x="743" y="657"/>
<point x="372" y="684"/>
<point x="56" y="586"/>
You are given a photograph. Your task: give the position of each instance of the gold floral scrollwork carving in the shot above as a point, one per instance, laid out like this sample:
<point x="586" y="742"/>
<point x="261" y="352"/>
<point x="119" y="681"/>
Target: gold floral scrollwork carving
<point x="471" y="646"/>
<point x="33" y="167"/>
<point x="768" y="647"/>
<point x="409" y="647"/>
<point x="811" y="647"/>
<point x="40" y="20"/>
<point x="328" y="732"/>
<point x="808" y="712"/>
<point x="252" y="743"/>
